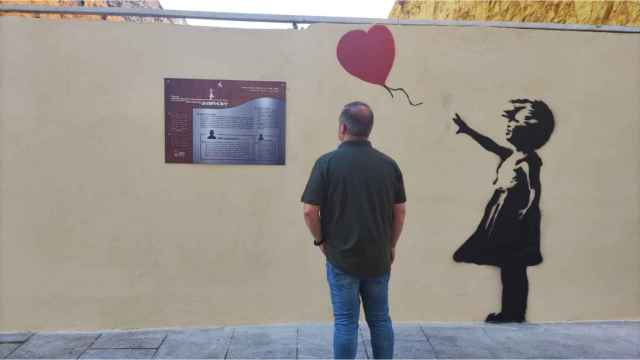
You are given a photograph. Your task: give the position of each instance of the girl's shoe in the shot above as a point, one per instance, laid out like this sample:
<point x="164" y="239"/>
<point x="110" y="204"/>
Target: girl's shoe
<point x="499" y="318"/>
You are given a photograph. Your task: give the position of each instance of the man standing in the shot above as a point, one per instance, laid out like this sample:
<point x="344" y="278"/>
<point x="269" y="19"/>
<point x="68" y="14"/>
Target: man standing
<point x="354" y="208"/>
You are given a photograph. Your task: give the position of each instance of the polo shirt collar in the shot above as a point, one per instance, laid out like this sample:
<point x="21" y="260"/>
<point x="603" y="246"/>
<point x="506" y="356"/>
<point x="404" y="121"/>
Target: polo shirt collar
<point x="350" y="143"/>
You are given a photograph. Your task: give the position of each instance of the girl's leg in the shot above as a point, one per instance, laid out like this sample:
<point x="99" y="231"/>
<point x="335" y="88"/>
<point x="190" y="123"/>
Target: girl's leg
<point x="515" y="290"/>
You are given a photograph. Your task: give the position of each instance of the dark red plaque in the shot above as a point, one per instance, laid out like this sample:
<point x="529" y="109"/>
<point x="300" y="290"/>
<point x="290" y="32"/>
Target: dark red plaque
<point x="224" y="121"/>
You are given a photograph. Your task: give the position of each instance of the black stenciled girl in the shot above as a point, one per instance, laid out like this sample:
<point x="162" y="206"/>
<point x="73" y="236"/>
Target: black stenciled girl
<point x="508" y="235"/>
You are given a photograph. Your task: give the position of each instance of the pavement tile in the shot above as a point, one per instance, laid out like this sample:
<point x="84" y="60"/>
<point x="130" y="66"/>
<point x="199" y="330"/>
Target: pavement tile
<point x="460" y="342"/>
<point x="316" y="342"/>
<point x="148" y="339"/>
<point x="411" y="343"/>
<point x="118" y="354"/>
<point x="629" y="330"/>
<point x="560" y="341"/>
<point x="621" y="340"/>
<point x="587" y="340"/>
<point x="364" y="341"/>
<point x="263" y="342"/>
<point x="6" y="337"/>
<point x="54" y="346"/>
<point x="196" y="344"/>
<point x="6" y="349"/>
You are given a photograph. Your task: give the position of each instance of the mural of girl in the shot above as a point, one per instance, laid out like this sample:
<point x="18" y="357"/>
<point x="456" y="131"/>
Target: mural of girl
<point x="508" y="235"/>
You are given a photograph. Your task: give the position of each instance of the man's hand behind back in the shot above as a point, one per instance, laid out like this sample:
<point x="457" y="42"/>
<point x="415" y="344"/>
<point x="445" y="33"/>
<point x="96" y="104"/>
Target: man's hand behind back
<point x="399" y="213"/>
<point x="393" y="254"/>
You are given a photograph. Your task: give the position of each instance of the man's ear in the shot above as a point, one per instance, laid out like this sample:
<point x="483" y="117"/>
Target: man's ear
<point x="342" y="129"/>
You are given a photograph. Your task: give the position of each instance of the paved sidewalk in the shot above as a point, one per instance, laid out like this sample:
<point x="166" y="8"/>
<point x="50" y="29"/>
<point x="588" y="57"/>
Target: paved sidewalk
<point x="309" y="341"/>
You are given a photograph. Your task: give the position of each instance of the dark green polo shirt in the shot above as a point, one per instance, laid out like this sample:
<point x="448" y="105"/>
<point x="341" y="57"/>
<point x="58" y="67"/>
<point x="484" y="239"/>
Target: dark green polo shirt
<point x="355" y="187"/>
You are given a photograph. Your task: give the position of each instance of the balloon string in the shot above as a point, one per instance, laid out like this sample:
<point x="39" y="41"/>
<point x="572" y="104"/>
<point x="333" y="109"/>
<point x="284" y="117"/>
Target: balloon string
<point x="389" y="89"/>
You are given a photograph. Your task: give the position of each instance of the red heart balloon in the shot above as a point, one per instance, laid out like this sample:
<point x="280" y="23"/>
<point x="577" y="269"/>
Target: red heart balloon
<point x="367" y="55"/>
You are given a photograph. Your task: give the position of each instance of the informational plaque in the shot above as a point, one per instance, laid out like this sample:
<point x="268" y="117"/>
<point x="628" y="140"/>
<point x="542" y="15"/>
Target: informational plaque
<point x="224" y="121"/>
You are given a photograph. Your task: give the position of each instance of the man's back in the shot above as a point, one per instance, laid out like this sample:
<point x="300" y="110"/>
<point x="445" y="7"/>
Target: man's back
<point x="354" y="209"/>
<point x="356" y="187"/>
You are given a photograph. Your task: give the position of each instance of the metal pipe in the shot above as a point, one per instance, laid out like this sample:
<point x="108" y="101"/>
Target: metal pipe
<point x="303" y="19"/>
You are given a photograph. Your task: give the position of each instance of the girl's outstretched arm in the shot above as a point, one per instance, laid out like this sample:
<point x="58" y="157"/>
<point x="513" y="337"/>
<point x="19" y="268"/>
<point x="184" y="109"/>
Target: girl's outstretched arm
<point x="484" y="141"/>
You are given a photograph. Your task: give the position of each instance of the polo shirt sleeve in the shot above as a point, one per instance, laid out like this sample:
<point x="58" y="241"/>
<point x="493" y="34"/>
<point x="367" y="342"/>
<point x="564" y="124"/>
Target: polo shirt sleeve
<point x="315" y="189"/>
<point x="398" y="191"/>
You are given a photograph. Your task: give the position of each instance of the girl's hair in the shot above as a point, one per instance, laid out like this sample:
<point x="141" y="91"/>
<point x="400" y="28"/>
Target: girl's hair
<point x="539" y="132"/>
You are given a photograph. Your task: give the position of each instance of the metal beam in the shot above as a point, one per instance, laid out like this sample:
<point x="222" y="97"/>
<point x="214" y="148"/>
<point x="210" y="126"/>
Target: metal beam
<point x="302" y="19"/>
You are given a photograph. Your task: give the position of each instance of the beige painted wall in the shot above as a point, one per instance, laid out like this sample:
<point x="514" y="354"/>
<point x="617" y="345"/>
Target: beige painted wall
<point x="96" y="231"/>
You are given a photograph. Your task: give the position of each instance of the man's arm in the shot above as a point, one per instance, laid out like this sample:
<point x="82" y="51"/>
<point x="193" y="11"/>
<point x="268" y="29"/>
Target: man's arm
<point x="399" y="213"/>
<point x="312" y="198"/>
<point x="312" y="219"/>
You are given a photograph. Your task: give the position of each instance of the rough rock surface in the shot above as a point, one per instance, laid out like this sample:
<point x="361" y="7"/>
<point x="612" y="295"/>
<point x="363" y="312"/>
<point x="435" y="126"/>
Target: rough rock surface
<point x="148" y="4"/>
<point x="563" y="12"/>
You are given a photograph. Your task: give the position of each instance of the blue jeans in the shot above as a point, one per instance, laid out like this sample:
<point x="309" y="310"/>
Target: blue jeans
<point x="346" y="291"/>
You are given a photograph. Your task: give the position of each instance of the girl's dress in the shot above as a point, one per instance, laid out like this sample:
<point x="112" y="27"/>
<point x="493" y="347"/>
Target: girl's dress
<point x="502" y="239"/>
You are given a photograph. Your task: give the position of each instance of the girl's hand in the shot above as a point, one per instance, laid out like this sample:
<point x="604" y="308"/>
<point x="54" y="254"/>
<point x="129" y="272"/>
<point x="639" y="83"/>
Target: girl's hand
<point x="462" y="126"/>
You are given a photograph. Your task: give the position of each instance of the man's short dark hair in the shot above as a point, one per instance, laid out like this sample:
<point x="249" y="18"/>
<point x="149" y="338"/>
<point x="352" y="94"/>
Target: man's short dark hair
<point x="358" y="118"/>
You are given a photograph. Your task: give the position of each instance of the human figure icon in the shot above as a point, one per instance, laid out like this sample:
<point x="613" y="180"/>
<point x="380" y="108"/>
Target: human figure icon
<point x="212" y="134"/>
<point x="508" y="235"/>
<point x="260" y="137"/>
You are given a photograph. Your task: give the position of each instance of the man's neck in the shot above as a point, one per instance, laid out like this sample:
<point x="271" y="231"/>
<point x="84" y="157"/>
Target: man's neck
<point x="355" y="138"/>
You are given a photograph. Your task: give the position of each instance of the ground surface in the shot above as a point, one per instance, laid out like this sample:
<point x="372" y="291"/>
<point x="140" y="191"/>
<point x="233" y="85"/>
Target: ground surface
<point x="307" y="341"/>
